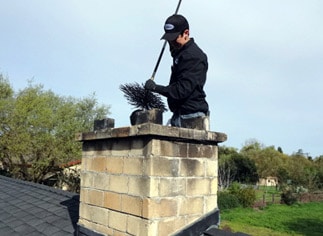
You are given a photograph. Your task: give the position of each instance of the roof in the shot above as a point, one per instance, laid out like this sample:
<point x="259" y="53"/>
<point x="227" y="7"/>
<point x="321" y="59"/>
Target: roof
<point x="33" y="209"/>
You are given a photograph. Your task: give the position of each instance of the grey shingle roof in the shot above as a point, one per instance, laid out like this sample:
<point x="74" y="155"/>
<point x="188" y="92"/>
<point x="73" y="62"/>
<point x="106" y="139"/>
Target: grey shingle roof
<point x="31" y="209"/>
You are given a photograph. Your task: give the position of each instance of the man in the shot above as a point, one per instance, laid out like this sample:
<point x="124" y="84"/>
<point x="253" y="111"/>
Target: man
<point x="185" y="94"/>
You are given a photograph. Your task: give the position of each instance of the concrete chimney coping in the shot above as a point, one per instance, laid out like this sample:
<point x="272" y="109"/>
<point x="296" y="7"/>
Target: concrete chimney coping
<point x="151" y="129"/>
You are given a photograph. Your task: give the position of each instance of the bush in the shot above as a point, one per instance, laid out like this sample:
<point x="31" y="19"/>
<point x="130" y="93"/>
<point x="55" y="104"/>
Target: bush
<point x="288" y="197"/>
<point x="247" y="196"/>
<point x="227" y="200"/>
<point x="234" y="188"/>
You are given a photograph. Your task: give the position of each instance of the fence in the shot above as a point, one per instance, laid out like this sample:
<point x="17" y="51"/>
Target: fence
<point x="275" y="198"/>
<point x="269" y="198"/>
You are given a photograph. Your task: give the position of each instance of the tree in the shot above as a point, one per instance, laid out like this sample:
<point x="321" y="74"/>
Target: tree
<point x="6" y="105"/>
<point x="38" y="130"/>
<point x="319" y="165"/>
<point x="246" y="171"/>
<point x="268" y="160"/>
<point x="282" y="175"/>
<point x="235" y="167"/>
<point x="6" y="101"/>
<point x="279" y="149"/>
<point x="303" y="172"/>
<point x="227" y="169"/>
<point x="252" y="148"/>
<point x="271" y="161"/>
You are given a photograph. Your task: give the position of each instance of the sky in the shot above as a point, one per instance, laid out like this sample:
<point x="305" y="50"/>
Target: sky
<point x="265" y="59"/>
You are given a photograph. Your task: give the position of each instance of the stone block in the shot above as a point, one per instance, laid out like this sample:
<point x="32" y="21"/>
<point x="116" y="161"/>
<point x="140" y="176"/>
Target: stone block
<point x="166" y="149"/>
<point x="94" y="214"/>
<point x="139" y="226"/>
<point x="131" y="205"/>
<point x="147" y="116"/>
<point x="171" y="131"/>
<point x="211" y="203"/>
<point x="119" y="183"/>
<point x="93" y="148"/>
<point x="192" y="167"/>
<point x="186" y="133"/>
<point x="194" y="123"/>
<point x="122" y="132"/>
<point x="180" y="222"/>
<point x="83" y="194"/>
<point x="103" y="124"/>
<point x="118" y="221"/>
<point x="211" y="168"/>
<point x="166" y="226"/>
<point x="112" y="201"/>
<point x="98" y="164"/>
<point x="169" y="149"/>
<point x="143" y="186"/>
<point x="121" y="147"/>
<point x="172" y="187"/>
<point x="95" y="197"/>
<point x="134" y="225"/>
<point x="104" y="152"/>
<point x="147" y="128"/>
<point x="197" y="187"/>
<point x="138" y="186"/>
<point x="191" y="219"/>
<point x="214" y="186"/>
<point x="84" y="165"/>
<point x="137" y="147"/>
<point x="100" y="215"/>
<point x="162" y="166"/>
<point x="97" y="227"/>
<point x="154" y="208"/>
<point x="88" y="149"/>
<point x="100" y="181"/>
<point x="191" y="206"/>
<point x="153" y="187"/>
<point x="200" y="150"/>
<point x="219" y="137"/>
<point x="133" y="165"/>
<point x="200" y="135"/>
<point x="83" y="210"/>
<point x="169" y="226"/>
<point x="85" y="223"/>
<point x="86" y="179"/>
<point x="119" y="233"/>
<point x="114" y="165"/>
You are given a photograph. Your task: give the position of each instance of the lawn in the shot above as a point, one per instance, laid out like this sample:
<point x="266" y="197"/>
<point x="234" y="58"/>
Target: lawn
<point x="268" y="194"/>
<point x="276" y="220"/>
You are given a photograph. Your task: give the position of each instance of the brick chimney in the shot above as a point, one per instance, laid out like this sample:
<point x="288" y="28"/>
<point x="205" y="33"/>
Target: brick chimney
<point x="147" y="179"/>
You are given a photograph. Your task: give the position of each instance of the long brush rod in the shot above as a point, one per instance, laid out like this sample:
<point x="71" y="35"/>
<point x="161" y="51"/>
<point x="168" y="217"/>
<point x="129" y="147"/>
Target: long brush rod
<point x="163" y="48"/>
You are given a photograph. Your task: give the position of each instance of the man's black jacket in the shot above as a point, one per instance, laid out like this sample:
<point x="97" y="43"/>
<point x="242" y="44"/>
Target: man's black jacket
<point x="185" y="94"/>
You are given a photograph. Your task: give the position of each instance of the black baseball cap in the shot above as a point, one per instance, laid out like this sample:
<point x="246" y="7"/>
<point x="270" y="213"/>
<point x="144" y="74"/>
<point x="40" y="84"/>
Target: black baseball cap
<point x="174" y="26"/>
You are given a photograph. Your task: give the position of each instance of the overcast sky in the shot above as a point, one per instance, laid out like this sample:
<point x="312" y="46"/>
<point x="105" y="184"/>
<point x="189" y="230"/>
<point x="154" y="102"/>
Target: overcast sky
<point x="265" y="59"/>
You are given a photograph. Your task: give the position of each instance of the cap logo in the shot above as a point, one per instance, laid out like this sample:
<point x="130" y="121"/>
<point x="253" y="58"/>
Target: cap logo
<point x="169" y="26"/>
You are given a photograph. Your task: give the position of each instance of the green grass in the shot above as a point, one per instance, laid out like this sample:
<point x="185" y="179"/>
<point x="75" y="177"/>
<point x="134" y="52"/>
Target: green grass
<point x="268" y="192"/>
<point x="268" y="189"/>
<point x="276" y="220"/>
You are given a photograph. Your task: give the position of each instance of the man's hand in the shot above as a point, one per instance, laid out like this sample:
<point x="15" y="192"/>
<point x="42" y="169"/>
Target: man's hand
<point x="150" y="85"/>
